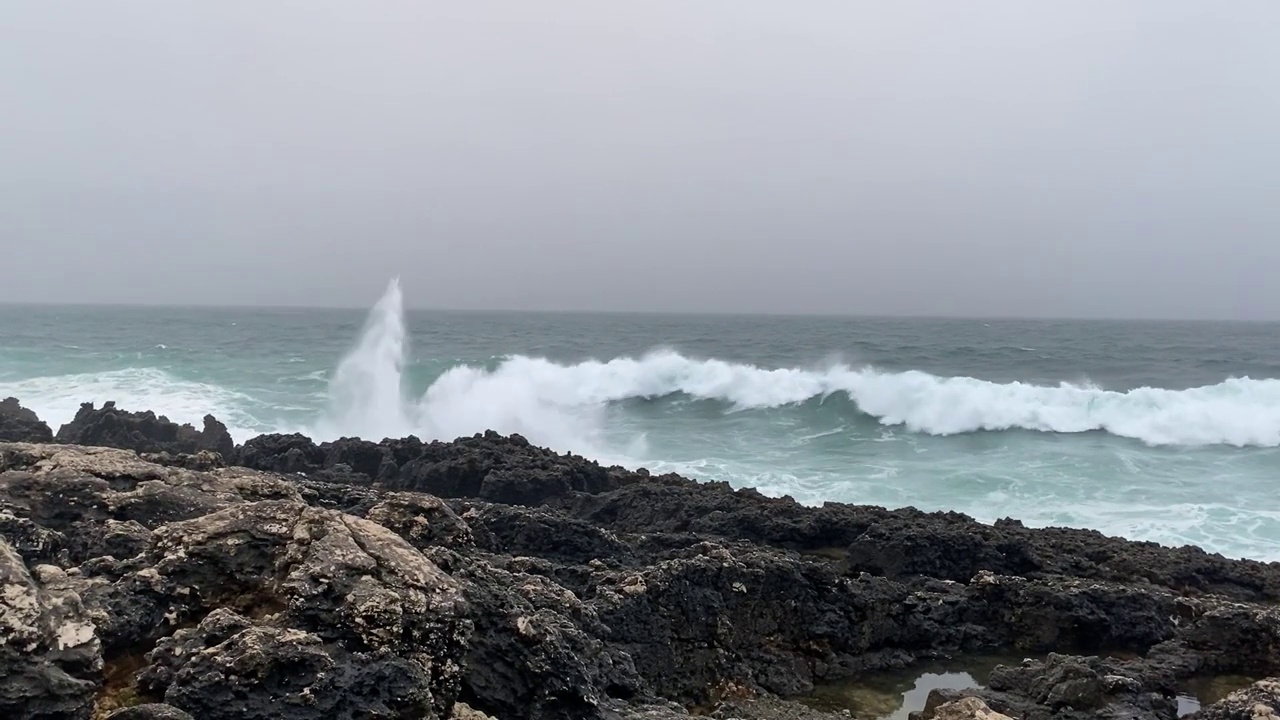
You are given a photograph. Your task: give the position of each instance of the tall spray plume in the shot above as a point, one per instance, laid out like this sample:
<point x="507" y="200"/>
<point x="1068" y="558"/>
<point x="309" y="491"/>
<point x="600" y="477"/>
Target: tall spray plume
<point x="365" y="394"/>
<point x="368" y="397"/>
<point x="567" y="406"/>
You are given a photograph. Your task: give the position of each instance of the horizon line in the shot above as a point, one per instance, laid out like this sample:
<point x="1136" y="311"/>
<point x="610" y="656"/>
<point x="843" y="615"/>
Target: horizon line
<point x="669" y="313"/>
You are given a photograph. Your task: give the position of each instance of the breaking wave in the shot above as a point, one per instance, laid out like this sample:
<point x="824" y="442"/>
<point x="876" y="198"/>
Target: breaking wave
<point x="1239" y="412"/>
<point x="562" y="404"/>
<point x="567" y="406"/>
<point x="834" y="431"/>
<point x="57" y="398"/>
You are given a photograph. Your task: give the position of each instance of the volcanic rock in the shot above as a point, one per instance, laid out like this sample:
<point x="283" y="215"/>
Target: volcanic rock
<point x="149" y="711"/>
<point x="307" y="581"/>
<point x="489" y="466"/>
<point x="1260" y="701"/>
<point x="66" y="504"/>
<point x="305" y="613"/>
<point x="18" y="424"/>
<point x="966" y="708"/>
<point x="50" y="657"/>
<point x="143" y="432"/>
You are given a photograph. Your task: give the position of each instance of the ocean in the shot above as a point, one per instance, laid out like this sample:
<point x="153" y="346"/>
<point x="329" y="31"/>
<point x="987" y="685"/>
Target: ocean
<point x="1161" y="431"/>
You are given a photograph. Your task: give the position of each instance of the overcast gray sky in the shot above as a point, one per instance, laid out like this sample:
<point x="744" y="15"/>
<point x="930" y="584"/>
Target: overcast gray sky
<point x="1082" y="158"/>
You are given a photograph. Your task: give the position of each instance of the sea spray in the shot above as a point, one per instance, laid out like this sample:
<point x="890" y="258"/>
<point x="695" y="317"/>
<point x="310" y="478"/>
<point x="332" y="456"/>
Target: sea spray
<point x="1237" y="411"/>
<point x="365" y="394"/>
<point x="941" y="415"/>
<point x="368" y="397"/>
<point x="567" y="405"/>
<point x="573" y="406"/>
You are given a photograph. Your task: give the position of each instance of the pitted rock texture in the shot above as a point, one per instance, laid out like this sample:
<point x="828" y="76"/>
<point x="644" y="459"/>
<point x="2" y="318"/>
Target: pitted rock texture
<point x="50" y="657"/>
<point x="18" y="424"/>
<point x="229" y="667"/>
<point x="277" y="585"/>
<point x="149" y="711"/>
<point x="144" y="432"/>
<point x="1260" y="701"/>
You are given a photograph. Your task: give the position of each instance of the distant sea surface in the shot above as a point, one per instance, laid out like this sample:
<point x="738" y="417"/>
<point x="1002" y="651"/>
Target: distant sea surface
<point x="1151" y="430"/>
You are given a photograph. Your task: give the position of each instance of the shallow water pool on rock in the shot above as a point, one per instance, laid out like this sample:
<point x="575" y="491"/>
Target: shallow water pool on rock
<point x="895" y="694"/>
<point x="1202" y="692"/>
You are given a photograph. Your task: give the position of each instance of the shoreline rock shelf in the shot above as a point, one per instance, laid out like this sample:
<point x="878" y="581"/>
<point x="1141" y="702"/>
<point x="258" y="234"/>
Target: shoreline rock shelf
<point x="152" y="570"/>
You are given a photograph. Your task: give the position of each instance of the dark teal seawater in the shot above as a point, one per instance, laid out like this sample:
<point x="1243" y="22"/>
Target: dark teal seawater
<point x="1153" y="430"/>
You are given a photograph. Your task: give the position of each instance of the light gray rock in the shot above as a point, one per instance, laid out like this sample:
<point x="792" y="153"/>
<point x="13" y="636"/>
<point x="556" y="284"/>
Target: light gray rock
<point x="307" y="613"/>
<point x="150" y="711"/>
<point x="1260" y="701"/>
<point x="50" y="656"/>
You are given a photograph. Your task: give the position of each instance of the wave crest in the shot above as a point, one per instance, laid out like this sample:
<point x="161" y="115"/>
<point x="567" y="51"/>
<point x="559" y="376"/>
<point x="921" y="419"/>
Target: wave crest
<point x="1238" y="411"/>
<point x="567" y="406"/>
<point x="562" y="404"/>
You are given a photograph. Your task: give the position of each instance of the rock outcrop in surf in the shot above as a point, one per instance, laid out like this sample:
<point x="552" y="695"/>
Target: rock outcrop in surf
<point x="18" y="424"/>
<point x="144" y="432"/>
<point x="487" y="577"/>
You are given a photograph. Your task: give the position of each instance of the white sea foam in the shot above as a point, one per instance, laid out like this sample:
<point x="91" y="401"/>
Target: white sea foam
<point x="562" y="404"/>
<point x="1240" y="411"/>
<point x="367" y="395"/>
<point x="1123" y="489"/>
<point x="565" y="405"/>
<point x="365" y="392"/>
<point x="57" y="398"/>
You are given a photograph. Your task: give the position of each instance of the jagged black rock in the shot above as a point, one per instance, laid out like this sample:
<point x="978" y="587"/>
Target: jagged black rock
<point x="159" y="572"/>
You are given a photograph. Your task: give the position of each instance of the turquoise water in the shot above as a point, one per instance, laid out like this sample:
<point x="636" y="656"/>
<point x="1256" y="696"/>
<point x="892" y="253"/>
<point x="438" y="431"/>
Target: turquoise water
<point x="1161" y="431"/>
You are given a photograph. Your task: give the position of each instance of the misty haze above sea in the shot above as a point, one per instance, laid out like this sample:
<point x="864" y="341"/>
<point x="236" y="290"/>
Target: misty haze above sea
<point x="1159" y="431"/>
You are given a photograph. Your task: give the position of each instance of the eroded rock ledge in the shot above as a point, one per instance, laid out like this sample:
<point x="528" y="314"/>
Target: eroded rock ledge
<point x="488" y="577"/>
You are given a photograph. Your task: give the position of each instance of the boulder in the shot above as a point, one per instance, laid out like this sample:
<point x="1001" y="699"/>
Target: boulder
<point x="18" y="424"/>
<point x="966" y="708"/>
<point x="541" y="532"/>
<point x="424" y="521"/>
<point x="1260" y="701"/>
<point x="538" y="651"/>
<point x="293" y="453"/>
<point x="50" y="657"/>
<point x="231" y="668"/>
<point x="373" y="461"/>
<point x="144" y="432"/>
<point x="149" y="711"/>
<point x="65" y="504"/>
<point x="302" y="613"/>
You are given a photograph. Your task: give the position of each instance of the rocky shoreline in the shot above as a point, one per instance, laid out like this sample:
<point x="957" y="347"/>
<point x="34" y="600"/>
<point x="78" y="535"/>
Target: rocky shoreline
<point x="152" y="570"/>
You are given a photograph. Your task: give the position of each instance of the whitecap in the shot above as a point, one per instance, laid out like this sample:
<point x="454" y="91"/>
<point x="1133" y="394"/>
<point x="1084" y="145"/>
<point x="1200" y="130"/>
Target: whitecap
<point x="563" y="405"/>
<point x="56" y="398"/>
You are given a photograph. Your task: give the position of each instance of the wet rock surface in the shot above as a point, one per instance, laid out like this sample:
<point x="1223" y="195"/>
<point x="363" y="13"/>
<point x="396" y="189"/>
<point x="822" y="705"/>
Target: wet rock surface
<point x="490" y="578"/>
<point x="1261" y="701"/>
<point x="1073" y="687"/>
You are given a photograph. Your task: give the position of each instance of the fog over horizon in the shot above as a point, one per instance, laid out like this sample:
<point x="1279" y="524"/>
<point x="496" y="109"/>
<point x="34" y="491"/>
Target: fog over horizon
<point x="985" y="159"/>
